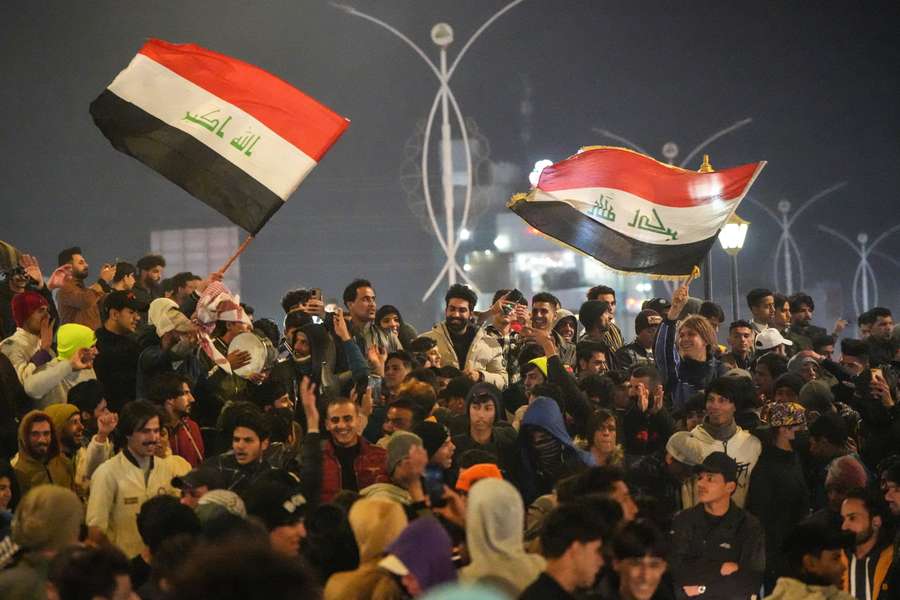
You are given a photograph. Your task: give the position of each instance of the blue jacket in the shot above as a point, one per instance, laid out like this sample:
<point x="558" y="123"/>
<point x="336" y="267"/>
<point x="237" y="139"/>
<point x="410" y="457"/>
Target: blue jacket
<point x="682" y="378"/>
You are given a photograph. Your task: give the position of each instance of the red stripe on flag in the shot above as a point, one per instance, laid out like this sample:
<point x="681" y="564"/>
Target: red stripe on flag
<point x="310" y="126"/>
<point x="621" y="169"/>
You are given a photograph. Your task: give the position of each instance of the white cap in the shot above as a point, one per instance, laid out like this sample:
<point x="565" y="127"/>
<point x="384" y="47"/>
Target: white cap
<point x="770" y="338"/>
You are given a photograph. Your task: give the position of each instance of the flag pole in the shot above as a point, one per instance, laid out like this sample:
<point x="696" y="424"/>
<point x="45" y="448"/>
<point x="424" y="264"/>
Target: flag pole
<point x="237" y="253"/>
<point x="706" y="167"/>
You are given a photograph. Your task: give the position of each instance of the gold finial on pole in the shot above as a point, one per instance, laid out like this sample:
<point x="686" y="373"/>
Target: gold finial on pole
<point x="706" y="167"/>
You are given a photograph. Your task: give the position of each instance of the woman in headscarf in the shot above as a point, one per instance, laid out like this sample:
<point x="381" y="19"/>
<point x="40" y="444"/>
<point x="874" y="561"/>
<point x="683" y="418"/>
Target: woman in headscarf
<point x="494" y="535"/>
<point x="376" y="523"/>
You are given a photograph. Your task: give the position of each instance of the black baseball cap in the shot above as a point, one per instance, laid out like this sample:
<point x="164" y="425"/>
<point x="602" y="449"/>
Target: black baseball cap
<point x="199" y="477"/>
<point x="120" y="299"/>
<point x="718" y="462"/>
<point x="660" y="305"/>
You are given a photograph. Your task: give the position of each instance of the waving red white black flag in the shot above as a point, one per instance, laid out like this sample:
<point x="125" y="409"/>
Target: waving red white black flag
<point x="632" y="212"/>
<point x="236" y="137"/>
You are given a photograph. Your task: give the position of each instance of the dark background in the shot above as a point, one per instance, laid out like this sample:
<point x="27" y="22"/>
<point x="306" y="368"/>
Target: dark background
<point x="820" y="81"/>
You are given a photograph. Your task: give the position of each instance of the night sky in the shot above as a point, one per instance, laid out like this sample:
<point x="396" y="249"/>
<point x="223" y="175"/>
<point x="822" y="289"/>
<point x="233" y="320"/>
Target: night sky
<point x="821" y="82"/>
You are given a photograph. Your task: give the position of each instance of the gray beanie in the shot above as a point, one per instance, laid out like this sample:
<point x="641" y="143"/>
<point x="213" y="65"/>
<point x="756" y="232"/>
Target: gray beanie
<point x="398" y="447"/>
<point x="48" y="518"/>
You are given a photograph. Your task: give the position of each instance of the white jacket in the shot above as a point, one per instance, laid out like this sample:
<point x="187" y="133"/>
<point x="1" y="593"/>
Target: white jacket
<point x="47" y="384"/>
<point x="118" y="490"/>
<point x="743" y="447"/>
<point x="485" y="354"/>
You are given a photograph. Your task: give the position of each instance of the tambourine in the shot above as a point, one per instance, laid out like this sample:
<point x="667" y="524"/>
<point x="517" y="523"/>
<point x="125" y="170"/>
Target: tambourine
<point x="261" y="350"/>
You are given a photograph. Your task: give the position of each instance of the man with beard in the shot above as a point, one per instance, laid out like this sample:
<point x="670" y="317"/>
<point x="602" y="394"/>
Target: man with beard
<point x="647" y="423"/>
<point x="148" y="287"/>
<point x="116" y="364"/>
<point x="881" y="349"/>
<point x="462" y="345"/>
<point x="544" y="306"/>
<point x="123" y="483"/>
<point x="77" y="303"/>
<point x="863" y="515"/>
<point x="612" y="337"/>
<point x="15" y="279"/>
<point x="39" y="459"/>
<point x="172" y="393"/>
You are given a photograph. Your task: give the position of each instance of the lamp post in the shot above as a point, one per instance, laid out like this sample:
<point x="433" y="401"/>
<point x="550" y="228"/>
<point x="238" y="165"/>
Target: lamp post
<point x="732" y="237"/>
<point x="450" y="238"/>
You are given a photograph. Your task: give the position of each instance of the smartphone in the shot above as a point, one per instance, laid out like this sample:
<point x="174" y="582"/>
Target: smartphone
<point x="434" y="485"/>
<point x="315" y="294"/>
<point x="877" y="373"/>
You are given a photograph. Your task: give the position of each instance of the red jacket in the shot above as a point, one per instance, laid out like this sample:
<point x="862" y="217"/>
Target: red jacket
<point x="187" y="441"/>
<point x="369" y="466"/>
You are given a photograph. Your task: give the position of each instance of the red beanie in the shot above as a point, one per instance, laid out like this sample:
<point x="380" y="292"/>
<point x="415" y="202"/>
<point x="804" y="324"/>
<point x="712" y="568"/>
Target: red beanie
<point x="24" y="305"/>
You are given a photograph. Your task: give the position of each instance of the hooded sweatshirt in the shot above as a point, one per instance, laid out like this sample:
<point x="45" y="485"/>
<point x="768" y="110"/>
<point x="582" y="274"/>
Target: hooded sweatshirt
<point x="425" y="549"/>
<point x="376" y="523"/>
<point x="544" y="413"/>
<point x="31" y="471"/>
<point x="742" y="446"/>
<point x="494" y="517"/>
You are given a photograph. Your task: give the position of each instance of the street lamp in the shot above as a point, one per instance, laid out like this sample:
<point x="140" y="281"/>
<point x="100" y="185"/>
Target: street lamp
<point x="732" y="237"/>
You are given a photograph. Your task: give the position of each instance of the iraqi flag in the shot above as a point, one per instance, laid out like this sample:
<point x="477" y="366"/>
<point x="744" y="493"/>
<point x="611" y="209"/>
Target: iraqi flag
<point x="633" y="213"/>
<point x="234" y="136"/>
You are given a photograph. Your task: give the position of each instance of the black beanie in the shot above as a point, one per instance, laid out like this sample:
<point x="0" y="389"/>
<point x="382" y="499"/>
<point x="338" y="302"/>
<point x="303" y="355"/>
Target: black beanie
<point x="433" y="436"/>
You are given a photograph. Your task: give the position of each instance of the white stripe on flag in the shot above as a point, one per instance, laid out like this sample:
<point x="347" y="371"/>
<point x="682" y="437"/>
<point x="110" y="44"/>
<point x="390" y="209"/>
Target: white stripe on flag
<point x="641" y="219"/>
<point x="226" y="129"/>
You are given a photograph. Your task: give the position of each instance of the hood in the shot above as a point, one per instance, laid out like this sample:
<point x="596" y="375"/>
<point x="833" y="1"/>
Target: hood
<point x="494" y="535"/>
<point x="25" y="426"/>
<point x="490" y="389"/>
<point x="425" y="549"/>
<point x="73" y="337"/>
<point x="544" y="412"/>
<point x="562" y="315"/>
<point x="60" y="413"/>
<point x="376" y="523"/>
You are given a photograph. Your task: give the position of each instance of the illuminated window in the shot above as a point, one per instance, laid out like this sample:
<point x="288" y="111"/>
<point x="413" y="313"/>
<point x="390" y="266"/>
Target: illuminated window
<point x="200" y="251"/>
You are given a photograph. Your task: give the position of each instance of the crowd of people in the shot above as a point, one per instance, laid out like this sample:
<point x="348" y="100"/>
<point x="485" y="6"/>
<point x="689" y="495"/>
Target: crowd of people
<point x="158" y="442"/>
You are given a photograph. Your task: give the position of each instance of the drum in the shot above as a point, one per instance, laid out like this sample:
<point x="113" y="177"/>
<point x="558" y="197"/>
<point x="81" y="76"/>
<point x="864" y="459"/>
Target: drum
<point x="262" y="353"/>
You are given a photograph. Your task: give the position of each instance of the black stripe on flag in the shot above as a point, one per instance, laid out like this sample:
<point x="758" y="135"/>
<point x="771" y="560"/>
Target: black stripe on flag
<point x="179" y="157"/>
<point x="561" y="221"/>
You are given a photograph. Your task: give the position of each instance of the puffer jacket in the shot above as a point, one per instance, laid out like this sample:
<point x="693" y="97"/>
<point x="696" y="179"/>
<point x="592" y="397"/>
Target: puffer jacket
<point x="30" y="471"/>
<point x="485" y="354"/>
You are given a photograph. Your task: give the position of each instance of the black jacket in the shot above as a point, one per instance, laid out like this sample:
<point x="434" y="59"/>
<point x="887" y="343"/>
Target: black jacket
<point x="116" y="367"/>
<point x="700" y="546"/>
<point x="779" y="498"/>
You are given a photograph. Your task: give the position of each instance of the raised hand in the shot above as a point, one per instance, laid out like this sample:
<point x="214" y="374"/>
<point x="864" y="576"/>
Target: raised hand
<point x="46" y="332"/>
<point x="32" y="269"/>
<point x="83" y="359"/>
<point x="679" y="300"/>
<point x="340" y="325"/>
<point x="307" y="390"/>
